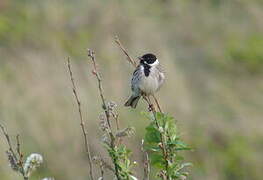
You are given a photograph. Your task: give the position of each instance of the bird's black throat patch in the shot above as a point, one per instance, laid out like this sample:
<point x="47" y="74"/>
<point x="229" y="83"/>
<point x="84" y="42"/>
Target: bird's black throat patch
<point x="146" y="69"/>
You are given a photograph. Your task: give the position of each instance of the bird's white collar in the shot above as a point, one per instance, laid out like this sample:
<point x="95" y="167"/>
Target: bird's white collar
<point x="155" y="63"/>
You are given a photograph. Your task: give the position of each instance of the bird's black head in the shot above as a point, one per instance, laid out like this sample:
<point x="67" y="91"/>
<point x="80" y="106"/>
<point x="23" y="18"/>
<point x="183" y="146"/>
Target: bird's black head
<point x="148" y="59"/>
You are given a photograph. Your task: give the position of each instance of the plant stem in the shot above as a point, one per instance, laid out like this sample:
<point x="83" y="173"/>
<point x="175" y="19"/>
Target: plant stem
<point x="130" y="59"/>
<point x="163" y="143"/>
<point x="91" y="54"/>
<point x="8" y="141"/>
<point x="82" y="124"/>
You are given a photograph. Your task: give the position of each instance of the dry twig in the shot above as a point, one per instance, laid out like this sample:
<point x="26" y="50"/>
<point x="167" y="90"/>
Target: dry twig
<point x="18" y="150"/>
<point x="8" y="141"/>
<point x="91" y="55"/>
<point x="16" y="162"/>
<point x="82" y="124"/>
<point x="129" y="58"/>
<point x="157" y="103"/>
<point x="95" y="71"/>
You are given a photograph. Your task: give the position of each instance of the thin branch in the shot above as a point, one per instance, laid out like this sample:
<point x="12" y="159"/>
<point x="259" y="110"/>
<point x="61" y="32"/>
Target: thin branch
<point x="157" y="103"/>
<point x="116" y="118"/>
<point x="129" y="58"/>
<point x="18" y="150"/>
<point x="18" y="145"/>
<point x="95" y="71"/>
<point x="91" y="55"/>
<point x="16" y="163"/>
<point x="82" y="124"/>
<point x="8" y="141"/>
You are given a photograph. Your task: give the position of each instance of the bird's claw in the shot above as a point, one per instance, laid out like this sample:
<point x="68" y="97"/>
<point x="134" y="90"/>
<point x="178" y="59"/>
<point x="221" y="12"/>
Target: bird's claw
<point x="150" y="108"/>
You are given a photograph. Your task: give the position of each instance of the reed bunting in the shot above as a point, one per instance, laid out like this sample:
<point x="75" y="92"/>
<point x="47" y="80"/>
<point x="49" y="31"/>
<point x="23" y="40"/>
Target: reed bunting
<point x="147" y="79"/>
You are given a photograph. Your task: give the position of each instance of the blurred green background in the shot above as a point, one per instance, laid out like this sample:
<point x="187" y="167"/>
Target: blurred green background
<point x="212" y="51"/>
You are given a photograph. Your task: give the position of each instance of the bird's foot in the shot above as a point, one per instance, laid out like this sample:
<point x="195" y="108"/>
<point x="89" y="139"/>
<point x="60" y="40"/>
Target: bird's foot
<point x="150" y="108"/>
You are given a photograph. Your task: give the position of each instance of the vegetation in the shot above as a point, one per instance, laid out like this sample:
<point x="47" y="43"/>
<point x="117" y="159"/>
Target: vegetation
<point x="210" y="50"/>
<point x="161" y="140"/>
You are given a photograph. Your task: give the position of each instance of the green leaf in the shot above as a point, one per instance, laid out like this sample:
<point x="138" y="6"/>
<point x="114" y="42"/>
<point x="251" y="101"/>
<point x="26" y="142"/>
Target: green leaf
<point x="151" y="147"/>
<point x="179" y="158"/>
<point x="186" y="164"/>
<point x="152" y="134"/>
<point x="183" y="149"/>
<point x="157" y="160"/>
<point x="163" y="130"/>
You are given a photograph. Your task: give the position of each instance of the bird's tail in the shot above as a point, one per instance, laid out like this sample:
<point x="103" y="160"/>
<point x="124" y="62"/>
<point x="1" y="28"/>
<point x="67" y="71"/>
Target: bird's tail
<point x="132" y="101"/>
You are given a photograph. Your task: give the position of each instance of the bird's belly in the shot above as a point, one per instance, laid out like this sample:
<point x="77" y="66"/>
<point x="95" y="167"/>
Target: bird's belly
<point x="149" y="85"/>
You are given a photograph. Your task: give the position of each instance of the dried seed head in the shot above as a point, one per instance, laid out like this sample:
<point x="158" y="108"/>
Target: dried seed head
<point x="105" y="139"/>
<point x="111" y="105"/>
<point x="102" y="117"/>
<point x="96" y="159"/>
<point x="12" y="161"/>
<point x="129" y="131"/>
<point x="103" y="124"/>
<point x="33" y="161"/>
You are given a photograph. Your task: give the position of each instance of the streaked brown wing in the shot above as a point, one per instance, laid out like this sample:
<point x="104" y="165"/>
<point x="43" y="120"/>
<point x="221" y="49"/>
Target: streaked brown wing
<point x="136" y="78"/>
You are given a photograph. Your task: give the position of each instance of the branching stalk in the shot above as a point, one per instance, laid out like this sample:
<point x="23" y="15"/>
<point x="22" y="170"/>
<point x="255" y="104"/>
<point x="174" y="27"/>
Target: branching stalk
<point x="91" y="55"/>
<point x="8" y="141"/>
<point x="17" y="159"/>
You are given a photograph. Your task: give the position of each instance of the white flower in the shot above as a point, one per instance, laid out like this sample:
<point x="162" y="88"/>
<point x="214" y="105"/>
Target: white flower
<point x="48" y="178"/>
<point x="33" y="161"/>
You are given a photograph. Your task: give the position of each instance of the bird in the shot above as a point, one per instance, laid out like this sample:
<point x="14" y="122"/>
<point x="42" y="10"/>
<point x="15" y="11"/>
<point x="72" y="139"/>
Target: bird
<point x="146" y="80"/>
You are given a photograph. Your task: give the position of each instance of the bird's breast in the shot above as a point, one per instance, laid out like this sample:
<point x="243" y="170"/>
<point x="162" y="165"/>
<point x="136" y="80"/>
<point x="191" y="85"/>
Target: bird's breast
<point x="149" y="84"/>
